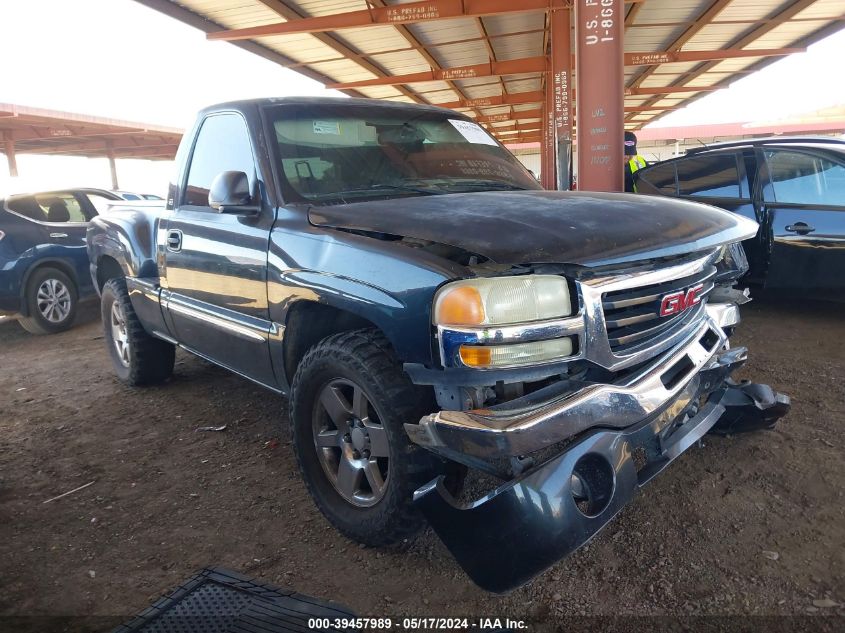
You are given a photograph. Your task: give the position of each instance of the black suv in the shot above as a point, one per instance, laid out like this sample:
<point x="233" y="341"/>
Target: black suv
<point x="793" y="187"/>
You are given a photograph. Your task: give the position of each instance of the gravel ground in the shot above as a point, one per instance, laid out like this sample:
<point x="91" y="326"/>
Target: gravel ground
<point x="747" y="526"/>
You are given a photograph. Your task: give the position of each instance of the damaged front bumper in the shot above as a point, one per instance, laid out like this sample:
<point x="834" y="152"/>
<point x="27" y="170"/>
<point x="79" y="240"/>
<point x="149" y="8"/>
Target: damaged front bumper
<point x="559" y="412"/>
<point x="523" y="527"/>
<point x="619" y="437"/>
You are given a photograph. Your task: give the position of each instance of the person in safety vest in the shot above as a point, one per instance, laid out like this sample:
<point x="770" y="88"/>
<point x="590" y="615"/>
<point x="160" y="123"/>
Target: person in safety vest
<point x="633" y="161"/>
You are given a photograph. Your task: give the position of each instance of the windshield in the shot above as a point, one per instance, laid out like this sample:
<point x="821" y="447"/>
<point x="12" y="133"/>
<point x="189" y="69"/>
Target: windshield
<point x="341" y="153"/>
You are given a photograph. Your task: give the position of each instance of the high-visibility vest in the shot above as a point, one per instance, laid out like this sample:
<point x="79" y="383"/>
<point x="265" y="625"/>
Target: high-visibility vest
<point x="635" y="164"/>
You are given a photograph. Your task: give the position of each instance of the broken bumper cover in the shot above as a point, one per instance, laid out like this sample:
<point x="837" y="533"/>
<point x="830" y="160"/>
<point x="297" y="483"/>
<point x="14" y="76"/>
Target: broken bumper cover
<point x="523" y="527"/>
<point x="556" y="413"/>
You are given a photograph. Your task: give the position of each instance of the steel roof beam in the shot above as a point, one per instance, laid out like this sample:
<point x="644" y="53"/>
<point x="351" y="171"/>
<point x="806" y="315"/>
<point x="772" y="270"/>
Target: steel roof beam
<point x="527" y="98"/>
<point x="178" y="12"/>
<point x="540" y="64"/>
<point x="510" y="116"/>
<point x="700" y="23"/>
<point x="391" y="15"/>
<point x="490" y="69"/>
<point x="521" y="139"/>
<point x="521" y="127"/>
<point x="409" y="37"/>
<point x="784" y="16"/>
<point x="283" y="10"/>
<point x="672" y="57"/>
<point x="632" y="92"/>
<point x="407" y="49"/>
<point x="514" y="98"/>
<point x="709" y="16"/>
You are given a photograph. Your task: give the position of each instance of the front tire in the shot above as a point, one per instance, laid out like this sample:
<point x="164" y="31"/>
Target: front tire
<point x="348" y="403"/>
<point x="51" y="298"/>
<point x="137" y="357"/>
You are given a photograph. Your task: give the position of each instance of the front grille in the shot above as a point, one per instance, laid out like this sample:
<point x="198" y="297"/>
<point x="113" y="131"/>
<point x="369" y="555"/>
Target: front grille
<point x="632" y="316"/>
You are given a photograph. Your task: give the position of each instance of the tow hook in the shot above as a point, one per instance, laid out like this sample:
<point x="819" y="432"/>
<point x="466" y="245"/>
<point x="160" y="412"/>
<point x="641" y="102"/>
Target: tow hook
<point x="750" y="407"/>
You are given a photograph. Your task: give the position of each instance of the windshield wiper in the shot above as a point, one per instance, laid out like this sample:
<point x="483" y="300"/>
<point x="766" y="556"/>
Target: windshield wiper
<point x="488" y="184"/>
<point x="379" y="188"/>
<point x="428" y="192"/>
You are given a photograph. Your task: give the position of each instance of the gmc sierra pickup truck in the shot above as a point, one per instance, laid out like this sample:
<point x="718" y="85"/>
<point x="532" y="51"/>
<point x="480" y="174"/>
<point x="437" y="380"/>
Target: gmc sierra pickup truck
<point x="433" y="316"/>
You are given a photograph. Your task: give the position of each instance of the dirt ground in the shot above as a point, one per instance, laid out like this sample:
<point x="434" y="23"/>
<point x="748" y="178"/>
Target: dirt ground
<point x="750" y="525"/>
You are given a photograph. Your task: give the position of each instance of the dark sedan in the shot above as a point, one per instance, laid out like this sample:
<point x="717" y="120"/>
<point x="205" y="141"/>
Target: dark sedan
<point x="43" y="262"/>
<point x="793" y="187"/>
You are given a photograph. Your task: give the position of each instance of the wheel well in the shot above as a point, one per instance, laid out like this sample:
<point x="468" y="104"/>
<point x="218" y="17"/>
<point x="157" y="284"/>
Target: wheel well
<point x="107" y="268"/>
<point x="309" y="323"/>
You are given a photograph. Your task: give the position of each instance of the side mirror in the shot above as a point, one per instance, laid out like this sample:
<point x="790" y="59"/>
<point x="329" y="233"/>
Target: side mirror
<point x="230" y="193"/>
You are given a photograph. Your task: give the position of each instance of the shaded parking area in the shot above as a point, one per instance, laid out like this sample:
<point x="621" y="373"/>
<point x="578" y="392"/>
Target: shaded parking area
<point x="746" y="525"/>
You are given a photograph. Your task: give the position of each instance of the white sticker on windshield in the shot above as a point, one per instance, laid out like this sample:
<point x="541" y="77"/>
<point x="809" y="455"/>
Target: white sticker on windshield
<point x="327" y="127"/>
<point x="472" y="132"/>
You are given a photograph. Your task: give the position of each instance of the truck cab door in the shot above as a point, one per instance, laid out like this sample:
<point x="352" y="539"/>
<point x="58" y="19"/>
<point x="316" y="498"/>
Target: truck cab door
<point x="216" y="263"/>
<point x="804" y="205"/>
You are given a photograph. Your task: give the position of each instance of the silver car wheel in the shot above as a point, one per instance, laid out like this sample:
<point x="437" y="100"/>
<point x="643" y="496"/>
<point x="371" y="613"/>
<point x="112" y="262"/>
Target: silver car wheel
<point x="351" y="443"/>
<point x="119" y="334"/>
<point x="53" y="300"/>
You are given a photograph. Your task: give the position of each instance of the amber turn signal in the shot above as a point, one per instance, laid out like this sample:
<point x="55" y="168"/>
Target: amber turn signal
<point x="460" y="306"/>
<point x="476" y="356"/>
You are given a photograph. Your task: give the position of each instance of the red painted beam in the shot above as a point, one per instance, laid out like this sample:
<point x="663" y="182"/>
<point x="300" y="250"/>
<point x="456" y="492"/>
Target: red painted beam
<point x="668" y="90"/>
<point x="515" y="98"/>
<point x="522" y="127"/>
<point x="541" y="64"/>
<point x="548" y="163"/>
<point x="561" y="77"/>
<point x="510" y="116"/>
<point x="671" y="57"/>
<point x="521" y="139"/>
<point x="599" y="56"/>
<point x="410" y="13"/>
<point x="490" y="69"/>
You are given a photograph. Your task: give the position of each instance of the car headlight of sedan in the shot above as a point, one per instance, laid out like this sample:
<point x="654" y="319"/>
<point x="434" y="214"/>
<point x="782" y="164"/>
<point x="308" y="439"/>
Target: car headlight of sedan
<point x="504" y="321"/>
<point x="731" y="263"/>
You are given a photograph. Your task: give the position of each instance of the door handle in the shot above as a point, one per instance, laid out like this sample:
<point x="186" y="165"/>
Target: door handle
<point x="174" y="240"/>
<point x="58" y="234"/>
<point x="802" y="228"/>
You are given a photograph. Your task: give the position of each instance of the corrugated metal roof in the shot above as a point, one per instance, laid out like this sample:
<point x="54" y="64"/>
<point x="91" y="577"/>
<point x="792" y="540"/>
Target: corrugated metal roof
<point x="394" y="49"/>
<point x="40" y="131"/>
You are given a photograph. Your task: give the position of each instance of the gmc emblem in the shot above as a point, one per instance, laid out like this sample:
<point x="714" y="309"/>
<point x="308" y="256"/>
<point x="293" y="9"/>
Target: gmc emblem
<point x="677" y="302"/>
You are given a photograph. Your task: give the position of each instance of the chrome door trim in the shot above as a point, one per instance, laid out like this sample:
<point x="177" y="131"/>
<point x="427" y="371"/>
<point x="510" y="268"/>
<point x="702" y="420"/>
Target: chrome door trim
<point x="244" y="327"/>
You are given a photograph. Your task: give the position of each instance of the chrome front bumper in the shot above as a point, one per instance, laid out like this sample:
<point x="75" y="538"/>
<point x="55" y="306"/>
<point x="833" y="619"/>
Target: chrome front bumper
<point x="557" y="413"/>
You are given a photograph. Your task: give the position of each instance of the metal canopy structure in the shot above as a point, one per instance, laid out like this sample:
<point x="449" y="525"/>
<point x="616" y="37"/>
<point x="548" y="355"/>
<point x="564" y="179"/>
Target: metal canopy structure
<point x="509" y="63"/>
<point x="26" y="130"/>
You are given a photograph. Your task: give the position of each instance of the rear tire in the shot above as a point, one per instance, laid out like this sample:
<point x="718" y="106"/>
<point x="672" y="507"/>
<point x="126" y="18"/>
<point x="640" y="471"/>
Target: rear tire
<point x="360" y="431"/>
<point x="137" y="357"/>
<point x="51" y="298"/>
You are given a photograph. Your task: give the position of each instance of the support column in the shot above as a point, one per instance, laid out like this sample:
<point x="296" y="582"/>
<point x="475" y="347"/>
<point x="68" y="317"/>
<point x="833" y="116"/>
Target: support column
<point x="112" y="166"/>
<point x="561" y="36"/>
<point x="601" y="94"/>
<point x="10" y="157"/>
<point x="547" y="147"/>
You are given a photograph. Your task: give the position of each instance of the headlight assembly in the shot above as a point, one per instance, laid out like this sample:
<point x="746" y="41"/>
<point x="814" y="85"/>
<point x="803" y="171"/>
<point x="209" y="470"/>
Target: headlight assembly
<point x="731" y="263"/>
<point x="504" y="322"/>
<point x="502" y="300"/>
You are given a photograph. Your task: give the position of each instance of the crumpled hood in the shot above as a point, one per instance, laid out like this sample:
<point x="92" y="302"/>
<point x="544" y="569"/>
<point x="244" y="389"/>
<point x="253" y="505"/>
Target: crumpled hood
<point x="525" y="227"/>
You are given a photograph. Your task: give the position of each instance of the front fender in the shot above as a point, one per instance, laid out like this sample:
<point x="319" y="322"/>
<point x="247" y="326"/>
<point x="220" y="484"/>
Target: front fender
<point x="127" y="235"/>
<point x="388" y="285"/>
